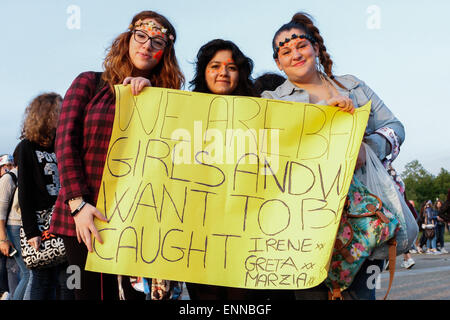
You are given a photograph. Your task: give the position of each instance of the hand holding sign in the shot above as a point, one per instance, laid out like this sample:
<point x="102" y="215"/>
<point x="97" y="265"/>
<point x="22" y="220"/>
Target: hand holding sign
<point x="224" y="190"/>
<point x="84" y="222"/>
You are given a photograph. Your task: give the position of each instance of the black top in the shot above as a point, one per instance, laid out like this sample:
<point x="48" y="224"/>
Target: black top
<point x="444" y="212"/>
<point x="38" y="183"/>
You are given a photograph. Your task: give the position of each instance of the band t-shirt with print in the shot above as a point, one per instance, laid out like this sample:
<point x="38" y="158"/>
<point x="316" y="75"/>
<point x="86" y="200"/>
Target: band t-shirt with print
<point x="38" y="182"/>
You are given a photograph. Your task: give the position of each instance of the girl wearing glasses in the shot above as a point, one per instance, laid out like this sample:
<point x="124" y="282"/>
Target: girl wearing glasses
<point x="142" y="55"/>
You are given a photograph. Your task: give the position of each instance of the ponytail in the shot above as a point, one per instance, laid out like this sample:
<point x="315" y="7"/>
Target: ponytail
<point x="305" y="20"/>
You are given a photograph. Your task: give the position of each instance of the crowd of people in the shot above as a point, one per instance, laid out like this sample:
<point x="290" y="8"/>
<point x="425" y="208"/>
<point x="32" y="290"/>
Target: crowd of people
<point x="64" y="143"/>
<point x="429" y="218"/>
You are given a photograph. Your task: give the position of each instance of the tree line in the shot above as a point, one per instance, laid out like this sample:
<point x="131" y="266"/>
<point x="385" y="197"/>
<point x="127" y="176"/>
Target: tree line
<point x="421" y="185"/>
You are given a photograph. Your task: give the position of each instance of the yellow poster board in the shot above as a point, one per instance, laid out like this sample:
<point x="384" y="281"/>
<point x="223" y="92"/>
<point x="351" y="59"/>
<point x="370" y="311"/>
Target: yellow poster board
<point x="224" y="190"/>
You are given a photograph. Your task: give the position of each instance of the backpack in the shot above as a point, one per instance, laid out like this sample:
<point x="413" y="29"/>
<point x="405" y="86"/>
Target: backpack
<point x="11" y="200"/>
<point x="365" y="225"/>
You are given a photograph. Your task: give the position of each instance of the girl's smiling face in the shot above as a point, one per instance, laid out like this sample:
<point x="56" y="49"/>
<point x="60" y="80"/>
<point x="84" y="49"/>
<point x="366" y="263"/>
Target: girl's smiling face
<point x="297" y="58"/>
<point x="221" y="73"/>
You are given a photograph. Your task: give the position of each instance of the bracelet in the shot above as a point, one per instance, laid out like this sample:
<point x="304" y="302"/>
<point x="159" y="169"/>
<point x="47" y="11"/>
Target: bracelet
<point x="4" y="240"/>
<point x="78" y="209"/>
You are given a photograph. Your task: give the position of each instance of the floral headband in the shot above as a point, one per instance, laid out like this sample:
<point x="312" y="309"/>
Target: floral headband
<point x="294" y="36"/>
<point x="150" y="26"/>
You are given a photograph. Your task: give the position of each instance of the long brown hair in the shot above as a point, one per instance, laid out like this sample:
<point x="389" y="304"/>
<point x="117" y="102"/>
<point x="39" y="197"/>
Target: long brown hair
<point x="304" y="22"/>
<point x="41" y="118"/>
<point x="436" y="204"/>
<point x="118" y="65"/>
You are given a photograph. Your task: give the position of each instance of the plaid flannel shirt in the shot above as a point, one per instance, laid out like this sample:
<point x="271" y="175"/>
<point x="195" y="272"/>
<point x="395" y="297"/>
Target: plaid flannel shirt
<point x="82" y="139"/>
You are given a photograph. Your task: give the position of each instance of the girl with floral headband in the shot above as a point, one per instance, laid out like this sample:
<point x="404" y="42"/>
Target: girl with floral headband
<point x="299" y="51"/>
<point x="143" y="55"/>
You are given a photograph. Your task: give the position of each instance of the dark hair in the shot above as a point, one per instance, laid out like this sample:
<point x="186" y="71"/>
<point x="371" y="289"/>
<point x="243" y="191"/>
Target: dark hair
<point x="436" y="203"/>
<point x="16" y="155"/>
<point x="268" y="81"/>
<point x="422" y="208"/>
<point x="243" y="63"/>
<point x="304" y="22"/>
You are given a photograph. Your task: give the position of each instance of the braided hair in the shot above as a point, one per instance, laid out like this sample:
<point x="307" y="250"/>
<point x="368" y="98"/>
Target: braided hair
<point x="304" y="22"/>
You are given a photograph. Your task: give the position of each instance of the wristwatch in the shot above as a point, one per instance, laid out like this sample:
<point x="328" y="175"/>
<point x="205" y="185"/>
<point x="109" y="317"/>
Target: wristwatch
<point x="78" y="209"/>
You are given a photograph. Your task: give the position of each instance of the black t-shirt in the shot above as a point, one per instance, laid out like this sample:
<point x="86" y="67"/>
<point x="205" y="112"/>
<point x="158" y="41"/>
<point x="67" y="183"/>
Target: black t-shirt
<point x="38" y="182"/>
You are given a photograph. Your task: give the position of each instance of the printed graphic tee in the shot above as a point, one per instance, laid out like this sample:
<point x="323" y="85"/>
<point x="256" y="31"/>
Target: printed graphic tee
<point x="38" y="182"/>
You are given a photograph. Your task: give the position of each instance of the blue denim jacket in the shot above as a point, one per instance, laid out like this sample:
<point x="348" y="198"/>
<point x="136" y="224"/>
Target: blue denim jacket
<point x="360" y="93"/>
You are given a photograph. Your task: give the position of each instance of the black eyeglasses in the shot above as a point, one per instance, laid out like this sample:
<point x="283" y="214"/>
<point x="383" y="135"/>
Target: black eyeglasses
<point x="156" y="43"/>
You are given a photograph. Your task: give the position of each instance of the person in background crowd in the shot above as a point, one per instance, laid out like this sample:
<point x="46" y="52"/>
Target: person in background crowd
<point x="10" y="223"/>
<point x="143" y="55"/>
<point x="430" y="218"/>
<point x="38" y="187"/>
<point x="422" y="241"/>
<point x="221" y="68"/>
<point x="5" y="165"/>
<point x="6" y="161"/>
<point x="411" y="204"/>
<point x="408" y="261"/>
<point x="299" y="51"/>
<point x="268" y="81"/>
<point x="440" y="228"/>
<point x="444" y="212"/>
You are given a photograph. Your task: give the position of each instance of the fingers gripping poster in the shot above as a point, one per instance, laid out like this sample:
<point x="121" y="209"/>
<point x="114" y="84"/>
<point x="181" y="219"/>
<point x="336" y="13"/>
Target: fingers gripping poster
<point x="224" y="190"/>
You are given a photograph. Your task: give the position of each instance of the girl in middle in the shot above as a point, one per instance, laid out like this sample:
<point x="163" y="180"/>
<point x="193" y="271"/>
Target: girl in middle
<point x="221" y="68"/>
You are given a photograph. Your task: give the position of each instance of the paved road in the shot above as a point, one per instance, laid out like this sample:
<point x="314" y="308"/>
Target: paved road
<point x="428" y="279"/>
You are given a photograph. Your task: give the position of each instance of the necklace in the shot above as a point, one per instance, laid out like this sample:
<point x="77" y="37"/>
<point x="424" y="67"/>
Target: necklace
<point x="328" y="85"/>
